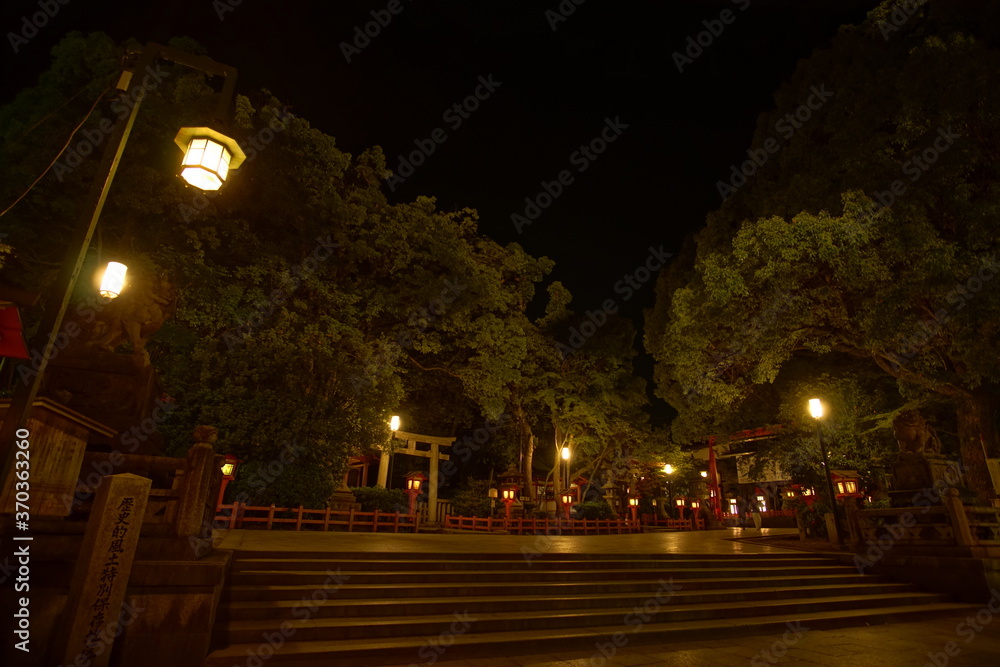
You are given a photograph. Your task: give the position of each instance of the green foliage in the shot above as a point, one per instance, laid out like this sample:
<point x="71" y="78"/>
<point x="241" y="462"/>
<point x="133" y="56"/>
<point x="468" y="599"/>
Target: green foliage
<point x="384" y="500"/>
<point x="472" y="499"/>
<point x="802" y="283"/>
<point x="300" y="483"/>
<point x="594" y="509"/>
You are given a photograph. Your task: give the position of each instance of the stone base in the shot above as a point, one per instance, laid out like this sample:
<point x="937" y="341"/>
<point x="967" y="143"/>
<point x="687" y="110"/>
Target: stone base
<point x="922" y="476"/>
<point x="343" y="500"/>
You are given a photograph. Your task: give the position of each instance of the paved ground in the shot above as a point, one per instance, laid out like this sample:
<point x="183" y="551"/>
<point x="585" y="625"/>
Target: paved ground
<point x="705" y="541"/>
<point x="960" y="639"/>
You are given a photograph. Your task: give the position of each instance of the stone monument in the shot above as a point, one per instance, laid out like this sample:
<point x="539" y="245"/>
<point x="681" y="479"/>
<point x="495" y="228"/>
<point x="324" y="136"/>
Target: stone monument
<point x="921" y="471"/>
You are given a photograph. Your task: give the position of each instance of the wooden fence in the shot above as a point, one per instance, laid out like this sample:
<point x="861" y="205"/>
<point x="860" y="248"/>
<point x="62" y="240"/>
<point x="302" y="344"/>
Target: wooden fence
<point x="522" y="526"/>
<point x="241" y="515"/>
<point x="676" y="524"/>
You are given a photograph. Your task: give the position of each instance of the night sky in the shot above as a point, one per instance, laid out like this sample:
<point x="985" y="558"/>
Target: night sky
<point x="553" y="91"/>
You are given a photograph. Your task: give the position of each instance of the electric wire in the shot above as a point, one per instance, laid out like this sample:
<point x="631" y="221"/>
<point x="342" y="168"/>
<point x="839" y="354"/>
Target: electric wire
<point x="61" y="151"/>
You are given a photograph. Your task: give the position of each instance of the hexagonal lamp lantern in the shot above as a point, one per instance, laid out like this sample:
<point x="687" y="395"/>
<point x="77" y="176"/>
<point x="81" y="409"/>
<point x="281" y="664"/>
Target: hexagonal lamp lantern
<point x="208" y="156"/>
<point x="113" y="280"/>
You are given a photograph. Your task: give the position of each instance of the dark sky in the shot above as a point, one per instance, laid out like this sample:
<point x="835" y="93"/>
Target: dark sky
<point x="651" y="186"/>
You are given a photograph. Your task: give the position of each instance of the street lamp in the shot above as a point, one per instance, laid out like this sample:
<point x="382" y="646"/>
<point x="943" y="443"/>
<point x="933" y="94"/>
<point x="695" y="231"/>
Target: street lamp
<point x="816" y="410"/>
<point x="229" y="467"/>
<point x="208" y="156"/>
<point x="633" y="504"/>
<point x="394" y="424"/>
<point x="669" y="470"/>
<point x="680" y="507"/>
<point x="48" y="336"/>
<point x="509" y="496"/>
<point x="567" y="499"/>
<point x="413" y="482"/>
<point x="113" y="280"/>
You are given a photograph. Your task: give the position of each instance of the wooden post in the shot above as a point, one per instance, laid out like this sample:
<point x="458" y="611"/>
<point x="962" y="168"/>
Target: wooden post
<point x="432" y="490"/>
<point x="270" y="517"/>
<point x="298" y="521"/>
<point x="93" y="613"/>
<point x="375" y="522"/>
<point x="232" y="517"/>
<point x="350" y="521"/>
<point x="958" y="519"/>
<point x="326" y="520"/>
<point x="195" y="490"/>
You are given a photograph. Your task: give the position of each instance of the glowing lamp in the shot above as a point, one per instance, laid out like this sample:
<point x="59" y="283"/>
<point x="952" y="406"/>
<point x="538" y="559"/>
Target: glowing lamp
<point x="394" y="423"/>
<point x="208" y="156"/>
<point x="633" y="502"/>
<point x="413" y="483"/>
<point x="669" y="469"/>
<point x="695" y="504"/>
<point x="704" y="473"/>
<point x="816" y="408"/>
<point x="113" y="280"/>
<point x="509" y="494"/>
<point x="565" y="453"/>
<point x="679" y="502"/>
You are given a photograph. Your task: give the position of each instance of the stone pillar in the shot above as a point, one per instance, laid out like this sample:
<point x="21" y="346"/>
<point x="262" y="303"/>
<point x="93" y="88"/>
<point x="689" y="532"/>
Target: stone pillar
<point x="432" y="492"/>
<point x="383" y="469"/>
<point x="94" y="615"/>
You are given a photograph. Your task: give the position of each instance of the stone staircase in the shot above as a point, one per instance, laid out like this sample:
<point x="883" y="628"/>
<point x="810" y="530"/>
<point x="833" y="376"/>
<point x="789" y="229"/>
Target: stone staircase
<point x="417" y="608"/>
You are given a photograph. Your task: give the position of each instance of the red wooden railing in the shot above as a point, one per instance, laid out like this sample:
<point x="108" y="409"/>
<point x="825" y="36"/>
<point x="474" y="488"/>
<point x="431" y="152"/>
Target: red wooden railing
<point x="241" y="515"/>
<point x="521" y="526"/>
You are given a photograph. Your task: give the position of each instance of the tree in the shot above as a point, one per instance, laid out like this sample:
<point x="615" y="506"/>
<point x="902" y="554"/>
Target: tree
<point x="801" y="261"/>
<point x="305" y="299"/>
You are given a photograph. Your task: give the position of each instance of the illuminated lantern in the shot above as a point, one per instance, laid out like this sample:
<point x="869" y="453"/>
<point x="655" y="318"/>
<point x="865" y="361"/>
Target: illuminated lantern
<point x="113" y="280"/>
<point x="208" y="156"/>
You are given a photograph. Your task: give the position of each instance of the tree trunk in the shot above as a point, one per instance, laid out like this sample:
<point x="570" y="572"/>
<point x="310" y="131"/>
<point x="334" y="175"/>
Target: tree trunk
<point x="529" y="460"/>
<point x="978" y="439"/>
<point x="526" y="440"/>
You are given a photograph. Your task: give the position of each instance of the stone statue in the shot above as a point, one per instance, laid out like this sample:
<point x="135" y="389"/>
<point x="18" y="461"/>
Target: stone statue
<point x="206" y="434"/>
<point x="914" y="434"/>
<point x="133" y="317"/>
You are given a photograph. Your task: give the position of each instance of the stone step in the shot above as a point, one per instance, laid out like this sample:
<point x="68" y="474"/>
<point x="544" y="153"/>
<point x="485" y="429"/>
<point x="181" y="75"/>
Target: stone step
<point x="604" y="640"/>
<point x="537" y="553"/>
<point x="336" y="607"/>
<point x="404" y="577"/>
<point x="525" y="563"/>
<point x="307" y="628"/>
<point x="419" y="590"/>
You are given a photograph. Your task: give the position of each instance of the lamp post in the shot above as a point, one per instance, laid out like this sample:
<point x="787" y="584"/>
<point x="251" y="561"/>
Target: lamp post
<point x="567" y="500"/>
<point x="816" y="410"/>
<point x="680" y="507"/>
<point x="47" y="339"/>
<point x="668" y="470"/>
<point x="509" y="496"/>
<point x="229" y="467"/>
<point x="695" y="504"/>
<point x="413" y="482"/>
<point x="633" y="504"/>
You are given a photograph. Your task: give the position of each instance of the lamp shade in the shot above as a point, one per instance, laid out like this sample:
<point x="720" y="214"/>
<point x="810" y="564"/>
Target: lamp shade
<point x="113" y="280"/>
<point x="394" y="423"/>
<point x="208" y="156"/>
<point x="816" y="408"/>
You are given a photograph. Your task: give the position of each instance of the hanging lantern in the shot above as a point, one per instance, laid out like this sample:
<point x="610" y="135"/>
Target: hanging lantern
<point x="208" y="156"/>
<point x="113" y="280"/>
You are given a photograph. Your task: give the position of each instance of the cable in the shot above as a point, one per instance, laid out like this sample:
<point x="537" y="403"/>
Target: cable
<point x="49" y="115"/>
<point x="61" y="150"/>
